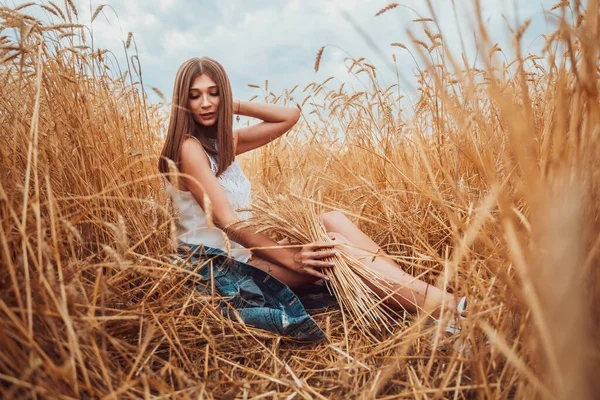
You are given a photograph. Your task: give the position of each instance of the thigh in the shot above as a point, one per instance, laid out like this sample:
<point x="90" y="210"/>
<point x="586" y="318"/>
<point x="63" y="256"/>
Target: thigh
<point x="361" y="251"/>
<point x="363" y="246"/>
<point x="335" y="221"/>
<point x="292" y="279"/>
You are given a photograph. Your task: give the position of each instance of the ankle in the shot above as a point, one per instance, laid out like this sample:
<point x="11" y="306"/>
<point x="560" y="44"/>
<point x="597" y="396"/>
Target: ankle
<point x="452" y="303"/>
<point x="447" y="306"/>
<point x="454" y="310"/>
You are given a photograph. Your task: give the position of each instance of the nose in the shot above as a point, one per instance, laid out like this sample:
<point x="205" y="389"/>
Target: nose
<point x="205" y="102"/>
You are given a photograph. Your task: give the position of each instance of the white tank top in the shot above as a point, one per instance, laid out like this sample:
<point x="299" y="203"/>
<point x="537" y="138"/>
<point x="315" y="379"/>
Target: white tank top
<point x="191" y="225"/>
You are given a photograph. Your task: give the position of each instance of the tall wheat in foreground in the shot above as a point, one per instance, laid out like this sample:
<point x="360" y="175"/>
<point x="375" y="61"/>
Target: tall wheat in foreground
<point x="487" y="186"/>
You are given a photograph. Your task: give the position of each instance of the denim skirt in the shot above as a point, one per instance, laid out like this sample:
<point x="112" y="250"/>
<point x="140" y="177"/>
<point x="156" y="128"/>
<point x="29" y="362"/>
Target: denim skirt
<point x="259" y="299"/>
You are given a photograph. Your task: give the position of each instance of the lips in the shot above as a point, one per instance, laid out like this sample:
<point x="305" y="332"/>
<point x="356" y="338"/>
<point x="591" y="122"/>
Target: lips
<point x="207" y="115"/>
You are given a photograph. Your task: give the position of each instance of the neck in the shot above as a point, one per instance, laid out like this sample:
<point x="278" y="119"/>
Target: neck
<point x="210" y="132"/>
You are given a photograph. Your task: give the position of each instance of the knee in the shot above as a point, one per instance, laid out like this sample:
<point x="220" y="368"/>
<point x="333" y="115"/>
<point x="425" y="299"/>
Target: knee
<point x="331" y="216"/>
<point x="337" y="238"/>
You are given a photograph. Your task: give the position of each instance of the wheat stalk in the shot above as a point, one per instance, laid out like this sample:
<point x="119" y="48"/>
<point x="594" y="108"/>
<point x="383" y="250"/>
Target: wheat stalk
<point x="487" y="186"/>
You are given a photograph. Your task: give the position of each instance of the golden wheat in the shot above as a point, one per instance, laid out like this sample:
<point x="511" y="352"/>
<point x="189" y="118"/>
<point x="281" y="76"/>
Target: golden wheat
<point x="487" y="186"/>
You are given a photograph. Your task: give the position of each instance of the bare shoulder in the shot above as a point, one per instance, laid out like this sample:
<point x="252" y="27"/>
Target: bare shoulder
<point x="193" y="159"/>
<point x="192" y="151"/>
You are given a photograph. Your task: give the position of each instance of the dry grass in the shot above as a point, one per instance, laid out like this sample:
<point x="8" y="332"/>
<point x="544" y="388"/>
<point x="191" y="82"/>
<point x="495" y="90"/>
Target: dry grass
<point x="490" y="188"/>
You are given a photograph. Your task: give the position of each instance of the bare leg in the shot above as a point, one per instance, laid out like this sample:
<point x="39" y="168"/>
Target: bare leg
<point x="412" y="293"/>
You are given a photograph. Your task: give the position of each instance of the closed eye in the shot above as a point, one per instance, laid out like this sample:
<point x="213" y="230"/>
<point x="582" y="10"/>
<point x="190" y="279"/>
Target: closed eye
<point x="212" y="94"/>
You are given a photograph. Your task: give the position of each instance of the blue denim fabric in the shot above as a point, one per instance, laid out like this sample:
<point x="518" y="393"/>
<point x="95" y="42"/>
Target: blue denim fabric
<point x="260" y="299"/>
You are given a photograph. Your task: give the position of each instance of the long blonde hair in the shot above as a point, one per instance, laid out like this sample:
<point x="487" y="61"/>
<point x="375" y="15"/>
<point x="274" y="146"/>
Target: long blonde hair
<point x="183" y="125"/>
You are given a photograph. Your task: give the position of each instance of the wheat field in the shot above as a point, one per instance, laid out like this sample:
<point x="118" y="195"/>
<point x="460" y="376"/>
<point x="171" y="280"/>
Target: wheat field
<point x="488" y="188"/>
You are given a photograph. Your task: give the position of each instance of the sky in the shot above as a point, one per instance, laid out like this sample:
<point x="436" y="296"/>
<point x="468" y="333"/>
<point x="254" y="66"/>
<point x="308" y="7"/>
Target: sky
<point x="259" y="40"/>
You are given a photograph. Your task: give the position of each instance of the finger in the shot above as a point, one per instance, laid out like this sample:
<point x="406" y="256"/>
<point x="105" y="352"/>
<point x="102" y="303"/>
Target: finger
<point x="322" y="253"/>
<point x="316" y="273"/>
<point x="320" y="264"/>
<point x="309" y="255"/>
<point x="317" y="245"/>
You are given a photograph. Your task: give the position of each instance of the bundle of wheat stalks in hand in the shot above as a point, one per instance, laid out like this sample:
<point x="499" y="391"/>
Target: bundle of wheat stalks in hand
<point x="297" y="218"/>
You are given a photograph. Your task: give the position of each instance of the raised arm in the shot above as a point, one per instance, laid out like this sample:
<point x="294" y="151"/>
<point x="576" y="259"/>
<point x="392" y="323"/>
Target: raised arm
<point x="195" y="163"/>
<point x="277" y="120"/>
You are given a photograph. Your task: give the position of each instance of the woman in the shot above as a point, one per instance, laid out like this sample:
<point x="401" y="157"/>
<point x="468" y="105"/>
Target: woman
<point x="203" y="145"/>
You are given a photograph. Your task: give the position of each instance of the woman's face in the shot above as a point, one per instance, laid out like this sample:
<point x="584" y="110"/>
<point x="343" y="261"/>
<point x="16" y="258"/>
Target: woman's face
<point x="204" y="100"/>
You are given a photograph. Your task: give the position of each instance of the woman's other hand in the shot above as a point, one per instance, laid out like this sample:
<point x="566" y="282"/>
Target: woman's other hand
<point x="312" y="256"/>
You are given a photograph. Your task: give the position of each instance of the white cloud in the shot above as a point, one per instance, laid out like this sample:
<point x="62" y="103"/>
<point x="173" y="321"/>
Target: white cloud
<point x="149" y="20"/>
<point x="175" y="41"/>
<point x="257" y="40"/>
<point x="165" y="5"/>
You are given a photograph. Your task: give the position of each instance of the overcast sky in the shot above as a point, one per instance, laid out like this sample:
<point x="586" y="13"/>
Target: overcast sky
<point x="256" y="40"/>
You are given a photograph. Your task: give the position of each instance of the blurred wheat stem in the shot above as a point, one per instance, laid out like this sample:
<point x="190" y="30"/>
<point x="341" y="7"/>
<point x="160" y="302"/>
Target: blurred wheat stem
<point x="485" y="185"/>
